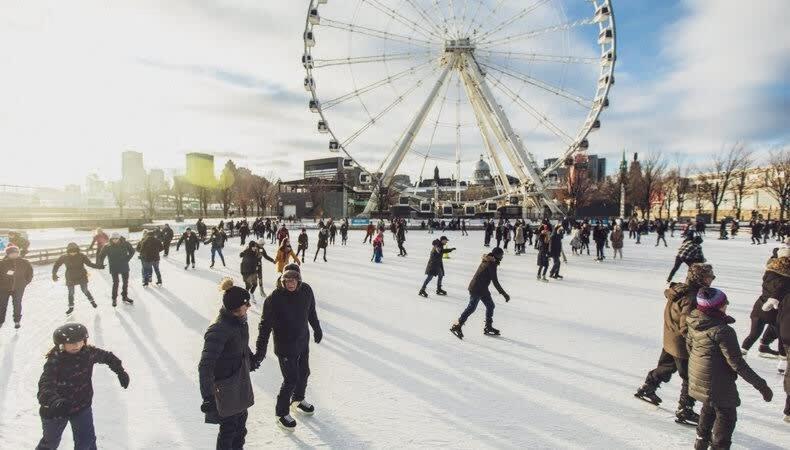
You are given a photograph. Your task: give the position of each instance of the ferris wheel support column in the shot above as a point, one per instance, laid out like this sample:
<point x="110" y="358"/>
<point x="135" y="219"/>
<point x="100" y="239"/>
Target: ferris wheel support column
<point x="408" y="137"/>
<point x="526" y="160"/>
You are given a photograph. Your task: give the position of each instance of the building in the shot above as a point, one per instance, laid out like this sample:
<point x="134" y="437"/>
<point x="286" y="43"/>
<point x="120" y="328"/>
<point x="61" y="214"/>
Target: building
<point x="596" y="167"/>
<point x="482" y="174"/>
<point x="335" y="169"/>
<point x="132" y="171"/>
<point x="200" y="169"/>
<point x="156" y="177"/>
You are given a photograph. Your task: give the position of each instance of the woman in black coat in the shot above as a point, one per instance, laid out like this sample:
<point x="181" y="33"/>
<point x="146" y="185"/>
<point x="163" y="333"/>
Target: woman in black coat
<point x="76" y="274"/>
<point x="435" y="267"/>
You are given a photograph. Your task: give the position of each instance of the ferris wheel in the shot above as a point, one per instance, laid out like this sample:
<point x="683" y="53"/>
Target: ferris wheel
<point x="402" y="85"/>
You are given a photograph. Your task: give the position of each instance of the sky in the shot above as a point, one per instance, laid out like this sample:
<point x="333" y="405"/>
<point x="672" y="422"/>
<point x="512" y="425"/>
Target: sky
<point x="85" y="80"/>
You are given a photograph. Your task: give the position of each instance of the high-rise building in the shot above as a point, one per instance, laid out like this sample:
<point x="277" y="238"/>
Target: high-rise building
<point x="200" y="169"/>
<point x="157" y="179"/>
<point x="132" y="171"/>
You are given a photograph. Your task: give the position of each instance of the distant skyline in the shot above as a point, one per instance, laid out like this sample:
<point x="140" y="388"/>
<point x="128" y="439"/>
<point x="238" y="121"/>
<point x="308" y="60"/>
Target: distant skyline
<point x="89" y="80"/>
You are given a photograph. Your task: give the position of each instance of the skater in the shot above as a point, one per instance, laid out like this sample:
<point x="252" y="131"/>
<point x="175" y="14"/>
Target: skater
<point x="757" y="230"/>
<point x="286" y="314"/>
<point x="250" y="266"/>
<point x="681" y="300"/>
<point x="225" y="366"/>
<point x="202" y="229"/>
<point x="690" y="252"/>
<point x="369" y="233"/>
<point x="715" y="362"/>
<point x="15" y="274"/>
<point x="661" y="231"/>
<point x="344" y="233"/>
<point x="282" y="234"/>
<point x="435" y="267"/>
<point x="217" y="241"/>
<point x="191" y="244"/>
<point x="518" y="238"/>
<point x="506" y="234"/>
<point x="244" y="231"/>
<point x="463" y="228"/>
<point x="302" y="242"/>
<point x="478" y="291"/>
<point x="617" y="239"/>
<point x="555" y="251"/>
<point x="283" y="254"/>
<point x="500" y="228"/>
<point x="65" y="389"/>
<point x="543" y="242"/>
<point x="378" y="248"/>
<point x="100" y="239"/>
<point x="76" y="275"/>
<point x="332" y="232"/>
<point x="489" y="230"/>
<point x="400" y="237"/>
<point x="776" y="282"/>
<point x="119" y="252"/>
<point x="599" y="236"/>
<point x="149" y="249"/>
<point x="323" y="242"/>
<point x="167" y="239"/>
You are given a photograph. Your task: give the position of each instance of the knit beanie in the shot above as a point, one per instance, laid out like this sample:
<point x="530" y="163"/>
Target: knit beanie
<point x="234" y="296"/>
<point x="711" y="299"/>
<point x="698" y="272"/>
<point x="11" y="249"/>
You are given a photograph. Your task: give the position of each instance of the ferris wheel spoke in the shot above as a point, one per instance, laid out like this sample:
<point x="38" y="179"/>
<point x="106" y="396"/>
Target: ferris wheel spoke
<point x="587" y="103"/>
<point x="375" y="85"/>
<point x="506" y="23"/>
<point x="472" y="17"/>
<point x="433" y="134"/>
<point x="534" y="33"/>
<point x="386" y="110"/>
<point x="381" y="34"/>
<point x="537" y="57"/>
<point x="398" y="17"/>
<point x="319" y="63"/>
<point x="491" y="13"/>
<point x="541" y="117"/>
<point x="426" y="17"/>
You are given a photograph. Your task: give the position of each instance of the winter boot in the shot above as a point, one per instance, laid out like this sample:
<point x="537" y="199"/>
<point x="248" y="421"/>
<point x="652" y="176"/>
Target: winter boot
<point x="287" y="423"/>
<point x="768" y="352"/>
<point x="648" y="393"/>
<point x="422" y="293"/>
<point x="303" y="407"/>
<point x="456" y="330"/>
<point x="440" y="291"/>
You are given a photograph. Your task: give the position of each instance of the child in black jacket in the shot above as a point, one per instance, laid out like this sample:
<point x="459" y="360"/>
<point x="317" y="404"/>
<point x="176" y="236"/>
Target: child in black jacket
<point x="65" y="390"/>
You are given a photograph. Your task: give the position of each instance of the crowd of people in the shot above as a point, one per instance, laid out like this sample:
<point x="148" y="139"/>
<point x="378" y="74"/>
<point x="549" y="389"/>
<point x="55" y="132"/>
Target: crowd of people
<point x="699" y="343"/>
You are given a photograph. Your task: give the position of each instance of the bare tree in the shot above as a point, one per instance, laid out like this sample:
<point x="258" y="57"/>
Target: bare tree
<point x="224" y="191"/>
<point x="151" y="193"/>
<point x="714" y="182"/>
<point x="741" y="187"/>
<point x="203" y="194"/>
<point x="652" y="174"/>
<point x="120" y="195"/>
<point x="578" y="187"/>
<point x="179" y="191"/>
<point x="668" y="189"/>
<point x="243" y="195"/>
<point x="777" y="178"/>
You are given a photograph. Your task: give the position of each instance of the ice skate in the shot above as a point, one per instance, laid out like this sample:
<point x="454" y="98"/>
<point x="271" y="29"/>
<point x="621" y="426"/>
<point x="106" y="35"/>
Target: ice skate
<point x="648" y="394"/>
<point x="490" y="331"/>
<point x="422" y="293"/>
<point x="70" y="310"/>
<point x="287" y="423"/>
<point x="303" y="408"/>
<point x="686" y="416"/>
<point x="782" y="366"/>
<point x="456" y="330"/>
<point x="17" y="325"/>
<point x="128" y="301"/>
<point x="114" y="302"/>
<point x="544" y="279"/>
<point x="93" y="303"/>
<point x="767" y="352"/>
<point x="440" y="291"/>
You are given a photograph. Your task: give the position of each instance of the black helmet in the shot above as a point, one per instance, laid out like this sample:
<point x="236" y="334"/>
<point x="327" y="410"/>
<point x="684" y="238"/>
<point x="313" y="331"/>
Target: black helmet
<point x="70" y="333"/>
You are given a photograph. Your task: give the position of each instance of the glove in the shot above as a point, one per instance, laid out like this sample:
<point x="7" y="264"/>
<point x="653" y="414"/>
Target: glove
<point x="770" y="304"/>
<point x="766" y="392"/>
<point x="59" y="408"/>
<point x="507" y="297"/>
<point x="318" y="335"/>
<point x="254" y="363"/>
<point x="55" y="278"/>
<point x="208" y="406"/>
<point x="123" y="377"/>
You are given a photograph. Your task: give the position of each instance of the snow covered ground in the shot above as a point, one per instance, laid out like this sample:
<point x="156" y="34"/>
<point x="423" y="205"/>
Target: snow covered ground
<point x="388" y="373"/>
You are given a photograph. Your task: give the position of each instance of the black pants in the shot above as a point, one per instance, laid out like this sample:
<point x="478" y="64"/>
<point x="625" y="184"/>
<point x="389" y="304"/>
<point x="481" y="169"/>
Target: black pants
<point x="667" y="365"/>
<point x="555" y="267"/>
<point x="232" y="431"/>
<point x="498" y="242"/>
<point x="296" y="371"/>
<point x="301" y="250"/>
<point x="318" y="250"/>
<point x="661" y="238"/>
<point x="678" y="263"/>
<point x="343" y="239"/>
<point x="16" y="298"/>
<point x="542" y="270"/>
<point x="166" y="245"/>
<point x="758" y="325"/>
<point x="191" y="257"/>
<point x="401" y="248"/>
<point x="250" y="281"/>
<point x="124" y="278"/>
<point x="599" y="246"/>
<point x="716" y="425"/>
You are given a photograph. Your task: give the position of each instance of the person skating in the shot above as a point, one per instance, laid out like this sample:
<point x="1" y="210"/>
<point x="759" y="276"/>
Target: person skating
<point x="282" y="234"/>
<point x="284" y="253"/>
<point x="344" y="233"/>
<point x="167" y="239"/>
<point x="202" y="229"/>
<point x="217" y="242"/>
<point x="65" y="388"/>
<point x="757" y="230"/>
<point x="435" y="267"/>
<point x="715" y="362"/>
<point x="617" y="237"/>
<point x="690" y="252"/>
<point x="661" y="232"/>
<point x="286" y="314"/>
<point x="543" y="242"/>
<point x="463" y="228"/>
<point x="118" y="252"/>
<point x="518" y="239"/>
<point x="191" y="243"/>
<point x="302" y="243"/>
<point x="599" y="236"/>
<point x="15" y="274"/>
<point x="251" y="260"/>
<point x="323" y="242"/>
<point x="100" y="239"/>
<point x="224" y="369"/>
<point x="76" y="274"/>
<point x="776" y="282"/>
<point x="555" y="251"/>
<point x="489" y="231"/>
<point x="478" y="291"/>
<point x="378" y="247"/>
<point x="369" y="230"/>
<point x="498" y="232"/>
<point x="332" y="232"/>
<point x="681" y="300"/>
<point x="149" y="248"/>
<point x="400" y="237"/>
<point x="262" y="255"/>
<point x="244" y="231"/>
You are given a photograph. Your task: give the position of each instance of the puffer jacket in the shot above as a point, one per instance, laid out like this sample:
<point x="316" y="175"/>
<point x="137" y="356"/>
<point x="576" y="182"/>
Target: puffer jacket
<point x="681" y="300"/>
<point x="485" y="275"/>
<point x="617" y="239"/>
<point x="75" y="268"/>
<point x="776" y="282"/>
<point x="715" y="361"/>
<point x="226" y="343"/>
<point x="783" y="320"/>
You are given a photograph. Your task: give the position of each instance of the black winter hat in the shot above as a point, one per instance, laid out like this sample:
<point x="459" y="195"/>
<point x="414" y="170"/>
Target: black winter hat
<point x="497" y="252"/>
<point x="70" y="333"/>
<point x="235" y="297"/>
<point x="444" y="238"/>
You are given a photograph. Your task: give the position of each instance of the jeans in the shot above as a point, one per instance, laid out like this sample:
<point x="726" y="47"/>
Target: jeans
<point x="428" y="280"/>
<point x="716" y="425"/>
<point x="474" y="299"/>
<point x="81" y="429"/>
<point x="214" y="251"/>
<point x="232" y="431"/>
<point x="599" y="246"/>
<point x="124" y="277"/>
<point x="555" y="268"/>
<point x="149" y="267"/>
<point x="296" y="371"/>
<point x="661" y="238"/>
<point x="16" y="299"/>
<point x="401" y="248"/>
<point x="666" y="366"/>
<point x="83" y="288"/>
<point x="191" y="257"/>
<point x="166" y="245"/>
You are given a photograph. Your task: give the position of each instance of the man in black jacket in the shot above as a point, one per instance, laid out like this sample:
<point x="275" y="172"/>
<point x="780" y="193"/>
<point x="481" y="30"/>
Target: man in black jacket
<point x="167" y="238"/>
<point x="149" y="249"/>
<point x="286" y="313"/>
<point x="435" y="266"/>
<point x="119" y="252"/>
<point x="478" y="291"/>
<point x="191" y="244"/>
<point x="15" y="274"/>
<point x="225" y="366"/>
